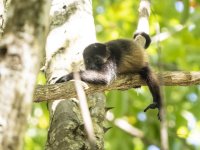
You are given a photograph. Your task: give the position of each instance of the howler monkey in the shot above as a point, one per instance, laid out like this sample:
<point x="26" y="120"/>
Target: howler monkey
<point x="103" y="62"/>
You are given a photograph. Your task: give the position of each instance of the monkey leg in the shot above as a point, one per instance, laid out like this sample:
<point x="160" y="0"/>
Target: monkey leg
<point x="154" y="88"/>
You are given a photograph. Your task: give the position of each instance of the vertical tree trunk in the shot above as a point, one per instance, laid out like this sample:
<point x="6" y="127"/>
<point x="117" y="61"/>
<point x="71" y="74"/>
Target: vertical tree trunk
<point x="20" y="52"/>
<point x="72" y="29"/>
<point x="2" y="17"/>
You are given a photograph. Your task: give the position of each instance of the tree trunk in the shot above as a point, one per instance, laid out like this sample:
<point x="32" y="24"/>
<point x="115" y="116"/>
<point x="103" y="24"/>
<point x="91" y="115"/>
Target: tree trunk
<point x="72" y="29"/>
<point x="20" y="52"/>
<point x="2" y="16"/>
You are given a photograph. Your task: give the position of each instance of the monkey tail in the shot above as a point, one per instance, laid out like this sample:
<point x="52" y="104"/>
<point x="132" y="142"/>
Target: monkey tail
<point x="154" y="87"/>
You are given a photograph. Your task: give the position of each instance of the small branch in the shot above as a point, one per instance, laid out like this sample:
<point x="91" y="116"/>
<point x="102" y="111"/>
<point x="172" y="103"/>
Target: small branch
<point x="124" y="125"/>
<point x="85" y="111"/>
<point x="66" y="90"/>
<point x="128" y="128"/>
<point x="144" y="13"/>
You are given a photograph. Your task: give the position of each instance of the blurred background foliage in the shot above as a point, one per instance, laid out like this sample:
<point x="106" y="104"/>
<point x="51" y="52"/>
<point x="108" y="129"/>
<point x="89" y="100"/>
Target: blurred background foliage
<point x="180" y="20"/>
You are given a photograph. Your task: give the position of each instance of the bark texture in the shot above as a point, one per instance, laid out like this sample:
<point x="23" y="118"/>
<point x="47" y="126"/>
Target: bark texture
<point x="20" y="52"/>
<point x="72" y="29"/>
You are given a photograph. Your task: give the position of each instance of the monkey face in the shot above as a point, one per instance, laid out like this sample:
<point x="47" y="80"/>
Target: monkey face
<point x="95" y="56"/>
<point x="94" y="63"/>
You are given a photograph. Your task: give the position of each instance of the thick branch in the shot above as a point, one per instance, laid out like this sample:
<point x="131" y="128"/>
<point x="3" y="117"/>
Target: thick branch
<point x="123" y="82"/>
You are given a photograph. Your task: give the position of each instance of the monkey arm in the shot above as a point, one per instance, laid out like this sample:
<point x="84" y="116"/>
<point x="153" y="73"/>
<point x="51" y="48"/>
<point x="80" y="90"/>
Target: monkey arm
<point x="105" y="75"/>
<point x="90" y="76"/>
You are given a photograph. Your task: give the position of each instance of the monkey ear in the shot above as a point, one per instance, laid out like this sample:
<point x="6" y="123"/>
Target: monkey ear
<point x="146" y="36"/>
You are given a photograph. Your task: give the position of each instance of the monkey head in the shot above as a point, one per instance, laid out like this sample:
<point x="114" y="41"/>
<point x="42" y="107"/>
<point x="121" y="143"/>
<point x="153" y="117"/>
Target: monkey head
<point x="95" y="56"/>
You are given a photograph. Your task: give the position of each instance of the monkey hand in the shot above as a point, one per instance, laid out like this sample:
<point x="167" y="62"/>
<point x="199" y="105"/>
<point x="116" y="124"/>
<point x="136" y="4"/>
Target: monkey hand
<point x="65" y="78"/>
<point x="154" y="106"/>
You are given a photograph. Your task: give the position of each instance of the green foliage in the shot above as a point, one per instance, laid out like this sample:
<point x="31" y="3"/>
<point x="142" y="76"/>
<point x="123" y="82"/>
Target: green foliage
<point x="36" y="133"/>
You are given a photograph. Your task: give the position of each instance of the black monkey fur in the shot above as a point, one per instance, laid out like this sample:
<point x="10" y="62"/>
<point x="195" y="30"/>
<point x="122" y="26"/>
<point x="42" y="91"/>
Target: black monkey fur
<point x="103" y="62"/>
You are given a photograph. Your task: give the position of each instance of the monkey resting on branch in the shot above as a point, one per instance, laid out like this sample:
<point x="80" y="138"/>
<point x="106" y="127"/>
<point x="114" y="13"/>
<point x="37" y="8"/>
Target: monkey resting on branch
<point x="104" y="61"/>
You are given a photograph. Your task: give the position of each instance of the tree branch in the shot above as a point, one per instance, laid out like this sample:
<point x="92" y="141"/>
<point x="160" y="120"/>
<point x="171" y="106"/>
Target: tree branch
<point x="144" y="13"/>
<point x="123" y="82"/>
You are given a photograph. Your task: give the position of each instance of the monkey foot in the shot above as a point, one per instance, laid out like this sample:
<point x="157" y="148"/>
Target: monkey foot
<point x="154" y="106"/>
<point x="151" y="106"/>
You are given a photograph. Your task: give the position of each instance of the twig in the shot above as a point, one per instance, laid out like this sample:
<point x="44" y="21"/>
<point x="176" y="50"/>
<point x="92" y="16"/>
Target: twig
<point x="128" y="128"/>
<point x="84" y="110"/>
<point x="124" y="125"/>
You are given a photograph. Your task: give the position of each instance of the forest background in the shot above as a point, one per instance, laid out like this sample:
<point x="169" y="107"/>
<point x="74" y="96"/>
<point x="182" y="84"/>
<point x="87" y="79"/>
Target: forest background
<point x="178" y="50"/>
